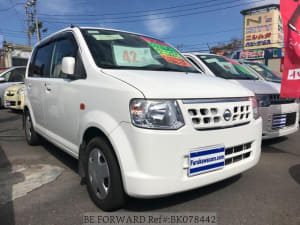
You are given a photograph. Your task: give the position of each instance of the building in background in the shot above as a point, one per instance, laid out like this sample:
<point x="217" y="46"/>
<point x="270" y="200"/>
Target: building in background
<point x="263" y="36"/>
<point x="14" y="54"/>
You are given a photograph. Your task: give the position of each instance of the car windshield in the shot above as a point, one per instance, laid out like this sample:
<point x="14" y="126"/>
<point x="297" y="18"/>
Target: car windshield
<point x="120" y="50"/>
<point x="264" y="71"/>
<point x="226" y="68"/>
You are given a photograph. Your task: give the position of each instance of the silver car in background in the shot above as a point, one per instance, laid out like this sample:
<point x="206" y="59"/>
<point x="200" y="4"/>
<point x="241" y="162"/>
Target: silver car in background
<point x="280" y="115"/>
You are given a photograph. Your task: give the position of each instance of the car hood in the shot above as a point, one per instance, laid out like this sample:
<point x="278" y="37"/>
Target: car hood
<point x="259" y="86"/>
<point x="179" y="85"/>
<point x="15" y="87"/>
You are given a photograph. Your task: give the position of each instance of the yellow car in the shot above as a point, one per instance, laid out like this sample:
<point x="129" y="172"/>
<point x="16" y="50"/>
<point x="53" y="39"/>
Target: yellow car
<point x="14" y="97"/>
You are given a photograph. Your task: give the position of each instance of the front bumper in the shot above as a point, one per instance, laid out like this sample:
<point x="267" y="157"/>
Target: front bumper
<point x="267" y="114"/>
<point x="14" y="102"/>
<point x="155" y="163"/>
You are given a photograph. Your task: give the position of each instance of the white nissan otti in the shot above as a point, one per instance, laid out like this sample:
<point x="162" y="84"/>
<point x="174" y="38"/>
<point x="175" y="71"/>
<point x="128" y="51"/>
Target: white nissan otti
<point x="136" y="115"/>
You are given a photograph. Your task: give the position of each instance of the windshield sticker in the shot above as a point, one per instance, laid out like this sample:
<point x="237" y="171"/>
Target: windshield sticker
<point x="228" y="66"/>
<point x="167" y="52"/>
<point x="257" y="68"/>
<point x="232" y="61"/>
<point x="131" y="56"/>
<point x="103" y="37"/>
<point x="243" y="69"/>
<point x="93" y="31"/>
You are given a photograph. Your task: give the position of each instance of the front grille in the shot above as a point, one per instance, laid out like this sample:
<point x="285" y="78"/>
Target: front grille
<point x="10" y="94"/>
<point x="13" y="103"/>
<point x="219" y="115"/>
<point x="276" y="100"/>
<point x="237" y="153"/>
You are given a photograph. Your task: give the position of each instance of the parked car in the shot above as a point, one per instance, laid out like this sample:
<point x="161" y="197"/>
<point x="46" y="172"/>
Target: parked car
<point x="137" y="115"/>
<point x="280" y="115"/>
<point x="14" y="97"/>
<point x="11" y="76"/>
<point x="262" y="71"/>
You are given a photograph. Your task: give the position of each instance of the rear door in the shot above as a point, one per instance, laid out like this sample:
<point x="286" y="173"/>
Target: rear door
<point x="35" y="82"/>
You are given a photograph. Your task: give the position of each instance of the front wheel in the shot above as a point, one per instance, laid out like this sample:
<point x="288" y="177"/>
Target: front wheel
<point x="32" y="137"/>
<point x="103" y="177"/>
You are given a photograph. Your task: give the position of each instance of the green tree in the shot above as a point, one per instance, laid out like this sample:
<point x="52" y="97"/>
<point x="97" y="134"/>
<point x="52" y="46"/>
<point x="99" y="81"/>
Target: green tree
<point x="33" y="28"/>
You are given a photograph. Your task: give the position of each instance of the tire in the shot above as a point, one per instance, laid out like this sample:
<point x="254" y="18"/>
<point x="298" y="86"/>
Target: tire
<point x="103" y="176"/>
<point x="32" y="137"/>
<point x="1" y="105"/>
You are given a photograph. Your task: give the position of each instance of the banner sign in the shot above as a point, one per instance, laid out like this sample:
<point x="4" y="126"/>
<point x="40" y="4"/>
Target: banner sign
<point x="290" y="10"/>
<point x="263" y="30"/>
<point x="254" y="54"/>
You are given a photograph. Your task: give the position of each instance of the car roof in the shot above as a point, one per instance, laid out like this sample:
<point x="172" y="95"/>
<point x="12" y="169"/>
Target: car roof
<point x="83" y="27"/>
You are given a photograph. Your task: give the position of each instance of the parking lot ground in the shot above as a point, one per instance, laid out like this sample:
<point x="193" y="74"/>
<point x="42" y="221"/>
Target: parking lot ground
<point x="267" y="194"/>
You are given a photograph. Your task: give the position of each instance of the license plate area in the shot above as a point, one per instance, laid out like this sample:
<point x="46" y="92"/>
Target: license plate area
<point x="206" y="160"/>
<point x="279" y="121"/>
<point x="284" y="120"/>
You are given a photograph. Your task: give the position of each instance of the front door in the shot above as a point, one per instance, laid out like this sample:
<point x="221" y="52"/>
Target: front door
<point x="35" y="82"/>
<point x="62" y="95"/>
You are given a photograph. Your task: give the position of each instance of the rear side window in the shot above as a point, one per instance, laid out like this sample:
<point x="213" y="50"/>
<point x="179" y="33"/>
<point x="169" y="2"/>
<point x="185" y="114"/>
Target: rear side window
<point x="41" y="62"/>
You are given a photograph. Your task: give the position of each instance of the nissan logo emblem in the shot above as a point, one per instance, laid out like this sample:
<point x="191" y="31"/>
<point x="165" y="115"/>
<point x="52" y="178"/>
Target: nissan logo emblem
<point x="227" y="115"/>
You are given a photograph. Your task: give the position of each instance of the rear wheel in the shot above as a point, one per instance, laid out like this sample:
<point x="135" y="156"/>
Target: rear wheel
<point x="32" y="137"/>
<point x="103" y="177"/>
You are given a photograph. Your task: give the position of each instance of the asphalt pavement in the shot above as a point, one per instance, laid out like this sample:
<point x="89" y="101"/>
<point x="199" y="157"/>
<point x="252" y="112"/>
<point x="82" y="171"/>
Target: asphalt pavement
<point x="268" y="194"/>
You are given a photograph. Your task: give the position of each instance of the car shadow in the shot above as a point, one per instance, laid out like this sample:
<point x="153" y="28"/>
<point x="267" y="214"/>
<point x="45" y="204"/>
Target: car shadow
<point x="8" y="178"/>
<point x="274" y="141"/>
<point x="295" y="173"/>
<point x="139" y="205"/>
<point x="60" y="155"/>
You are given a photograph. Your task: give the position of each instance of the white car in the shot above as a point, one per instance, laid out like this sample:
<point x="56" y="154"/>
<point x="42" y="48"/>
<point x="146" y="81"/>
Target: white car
<point x="280" y="115"/>
<point x="137" y="115"/>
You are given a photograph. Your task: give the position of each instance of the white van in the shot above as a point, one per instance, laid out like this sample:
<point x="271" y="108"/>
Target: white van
<point x="137" y="115"/>
<point x="280" y="115"/>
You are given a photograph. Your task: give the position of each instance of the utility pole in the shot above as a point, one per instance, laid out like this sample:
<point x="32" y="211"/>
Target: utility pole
<point x="36" y="20"/>
<point x="28" y="26"/>
<point x="37" y="29"/>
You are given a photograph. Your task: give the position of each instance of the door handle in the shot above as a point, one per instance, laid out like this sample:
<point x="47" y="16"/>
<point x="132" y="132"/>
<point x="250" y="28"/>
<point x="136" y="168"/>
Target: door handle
<point x="29" y="85"/>
<point x="48" y="87"/>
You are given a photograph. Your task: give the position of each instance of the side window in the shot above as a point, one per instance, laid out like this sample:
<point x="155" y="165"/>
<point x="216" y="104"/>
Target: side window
<point x="62" y="48"/>
<point x="17" y="75"/>
<point x="7" y="76"/>
<point x="40" y="65"/>
<point x="194" y="63"/>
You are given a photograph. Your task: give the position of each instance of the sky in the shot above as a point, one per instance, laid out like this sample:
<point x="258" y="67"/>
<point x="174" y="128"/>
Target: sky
<point x="188" y="24"/>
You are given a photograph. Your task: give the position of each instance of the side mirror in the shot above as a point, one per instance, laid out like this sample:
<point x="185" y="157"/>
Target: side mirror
<point x="2" y="80"/>
<point x="68" y="65"/>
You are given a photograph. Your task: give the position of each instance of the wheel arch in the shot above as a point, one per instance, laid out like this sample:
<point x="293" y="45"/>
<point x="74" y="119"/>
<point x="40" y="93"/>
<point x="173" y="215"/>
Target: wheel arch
<point x="89" y="134"/>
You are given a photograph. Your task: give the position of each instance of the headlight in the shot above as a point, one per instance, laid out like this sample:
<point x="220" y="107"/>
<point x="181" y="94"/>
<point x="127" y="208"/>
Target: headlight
<point x="21" y="91"/>
<point x="298" y="100"/>
<point x="263" y="100"/>
<point x="156" y="114"/>
<point x="255" y="107"/>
